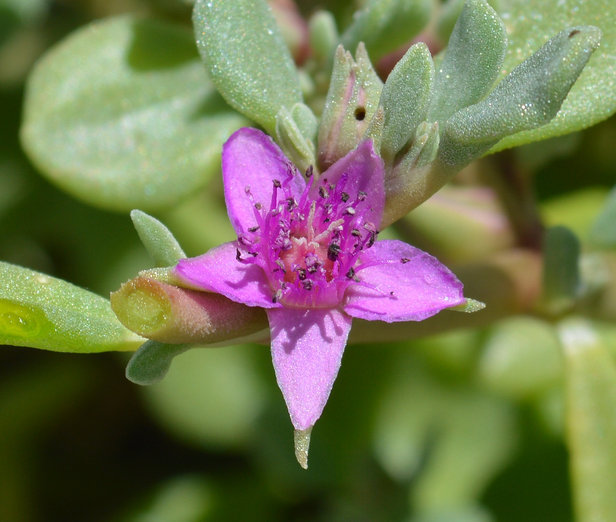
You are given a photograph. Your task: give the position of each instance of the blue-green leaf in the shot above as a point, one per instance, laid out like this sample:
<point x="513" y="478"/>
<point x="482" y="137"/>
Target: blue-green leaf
<point x="121" y="114"/>
<point x="247" y="58"/>
<point x="40" y="311"/>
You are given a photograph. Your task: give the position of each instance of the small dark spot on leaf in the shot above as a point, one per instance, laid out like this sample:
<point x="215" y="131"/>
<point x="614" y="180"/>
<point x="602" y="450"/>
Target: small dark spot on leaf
<point x="360" y="113"/>
<point x="573" y="33"/>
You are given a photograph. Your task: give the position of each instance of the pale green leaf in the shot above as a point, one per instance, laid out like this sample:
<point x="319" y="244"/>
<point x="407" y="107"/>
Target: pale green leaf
<point x="157" y="239"/>
<point x="405" y="98"/>
<point x="121" y="114"/>
<point x="384" y="25"/>
<point x="591" y="420"/>
<point x="529" y="24"/>
<point x="40" y="311"/>
<point x="247" y="58"/>
<point x="472" y="61"/>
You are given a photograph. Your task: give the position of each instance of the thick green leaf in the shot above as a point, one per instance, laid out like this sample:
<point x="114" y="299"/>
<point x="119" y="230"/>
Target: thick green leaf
<point x="592" y="99"/>
<point x="472" y="61"/>
<point x="157" y="239"/>
<point x="151" y="362"/>
<point x="247" y="57"/>
<point x="40" y="311"/>
<point x="121" y="114"/>
<point x="591" y="420"/>
<point x="405" y="98"/>
<point x="527" y="98"/>
<point x="384" y="25"/>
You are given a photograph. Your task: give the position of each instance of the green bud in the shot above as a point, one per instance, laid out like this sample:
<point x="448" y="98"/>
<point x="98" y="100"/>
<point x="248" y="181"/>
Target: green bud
<point x="352" y="102"/>
<point x="169" y="314"/>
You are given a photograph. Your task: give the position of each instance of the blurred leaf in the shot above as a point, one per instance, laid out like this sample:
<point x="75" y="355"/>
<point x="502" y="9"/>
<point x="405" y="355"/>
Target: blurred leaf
<point x="529" y="24"/>
<point x="151" y="362"/>
<point x="157" y="239"/>
<point x="471" y="62"/>
<point x="603" y="231"/>
<point x="210" y="397"/>
<point x="591" y="420"/>
<point x="247" y="57"/>
<point x="521" y="357"/>
<point x="40" y="311"/>
<point x="384" y="25"/>
<point x="181" y="499"/>
<point x="121" y="114"/>
<point x="561" y="268"/>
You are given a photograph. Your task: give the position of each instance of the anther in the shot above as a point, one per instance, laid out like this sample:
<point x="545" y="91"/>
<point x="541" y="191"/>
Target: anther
<point x="307" y="284"/>
<point x="323" y="193"/>
<point x="404" y="260"/>
<point x="333" y="251"/>
<point x="361" y="195"/>
<point x="350" y="211"/>
<point x="277" y="183"/>
<point x="301" y="273"/>
<point x="344" y="197"/>
<point x="253" y="229"/>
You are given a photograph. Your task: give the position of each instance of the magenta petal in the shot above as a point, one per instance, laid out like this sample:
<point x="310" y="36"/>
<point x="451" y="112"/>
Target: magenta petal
<point x="307" y="347"/>
<point x="404" y="284"/>
<point x="365" y="172"/>
<point x="219" y="271"/>
<point x="251" y="159"/>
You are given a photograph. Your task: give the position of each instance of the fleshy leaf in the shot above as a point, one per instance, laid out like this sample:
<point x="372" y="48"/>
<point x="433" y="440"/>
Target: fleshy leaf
<point x="530" y="96"/>
<point x="405" y="98"/>
<point x="384" y="25"/>
<point x="247" y="57"/>
<point x="157" y="239"/>
<point x="561" y="272"/>
<point x="603" y="231"/>
<point x="593" y="97"/>
<point x="151" y="362"/>
<point x="591" y="420"/>
<point x="121" y="114"/>
<point x="40" y="311"/>
<point x="472" y="61"/>
<point x="295" y="141"/>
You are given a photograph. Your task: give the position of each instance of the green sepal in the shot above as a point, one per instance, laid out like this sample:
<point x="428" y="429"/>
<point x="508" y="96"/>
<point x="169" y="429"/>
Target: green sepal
<point x="561" y="269"/>
<point x="384" y="25"/>
<point x="530" y="96"/>
<point x="411" y="177"/>
<point x="151" y="362"/>
<point x="247" y="57"/>
<point x="472" y="61"/>
<point x="470" y="306"/>
<point x="352" y="102"/>
<point x="40" y="311"/>
<point x="157" y="239"/>
<point x="603" y="231"/>
<point x="405" y="99"/>
<point x="295" y="132"/>
<point x="122" y="115"/>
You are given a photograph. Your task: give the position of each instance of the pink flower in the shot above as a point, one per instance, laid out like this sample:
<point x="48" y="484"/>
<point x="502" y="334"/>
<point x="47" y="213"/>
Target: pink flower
<point x="307" y="253"/>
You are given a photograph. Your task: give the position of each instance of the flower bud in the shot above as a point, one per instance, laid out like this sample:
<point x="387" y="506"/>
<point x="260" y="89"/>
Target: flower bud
<point x="352" y="102"/>
<point x="170" y="314"/>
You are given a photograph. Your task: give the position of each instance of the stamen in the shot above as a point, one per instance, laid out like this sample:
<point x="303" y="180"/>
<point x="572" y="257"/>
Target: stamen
<point x="333" y="251"/>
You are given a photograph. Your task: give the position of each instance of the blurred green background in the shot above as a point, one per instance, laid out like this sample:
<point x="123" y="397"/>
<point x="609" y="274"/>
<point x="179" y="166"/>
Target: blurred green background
<point x="464" y="426"/>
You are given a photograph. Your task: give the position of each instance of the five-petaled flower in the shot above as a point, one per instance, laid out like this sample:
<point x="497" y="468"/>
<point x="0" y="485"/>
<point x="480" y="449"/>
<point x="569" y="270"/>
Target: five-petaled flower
<point x="307" y="253"/>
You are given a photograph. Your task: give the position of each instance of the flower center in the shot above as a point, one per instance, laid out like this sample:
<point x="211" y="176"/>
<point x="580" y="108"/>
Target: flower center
<point x="309" y="245"/>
